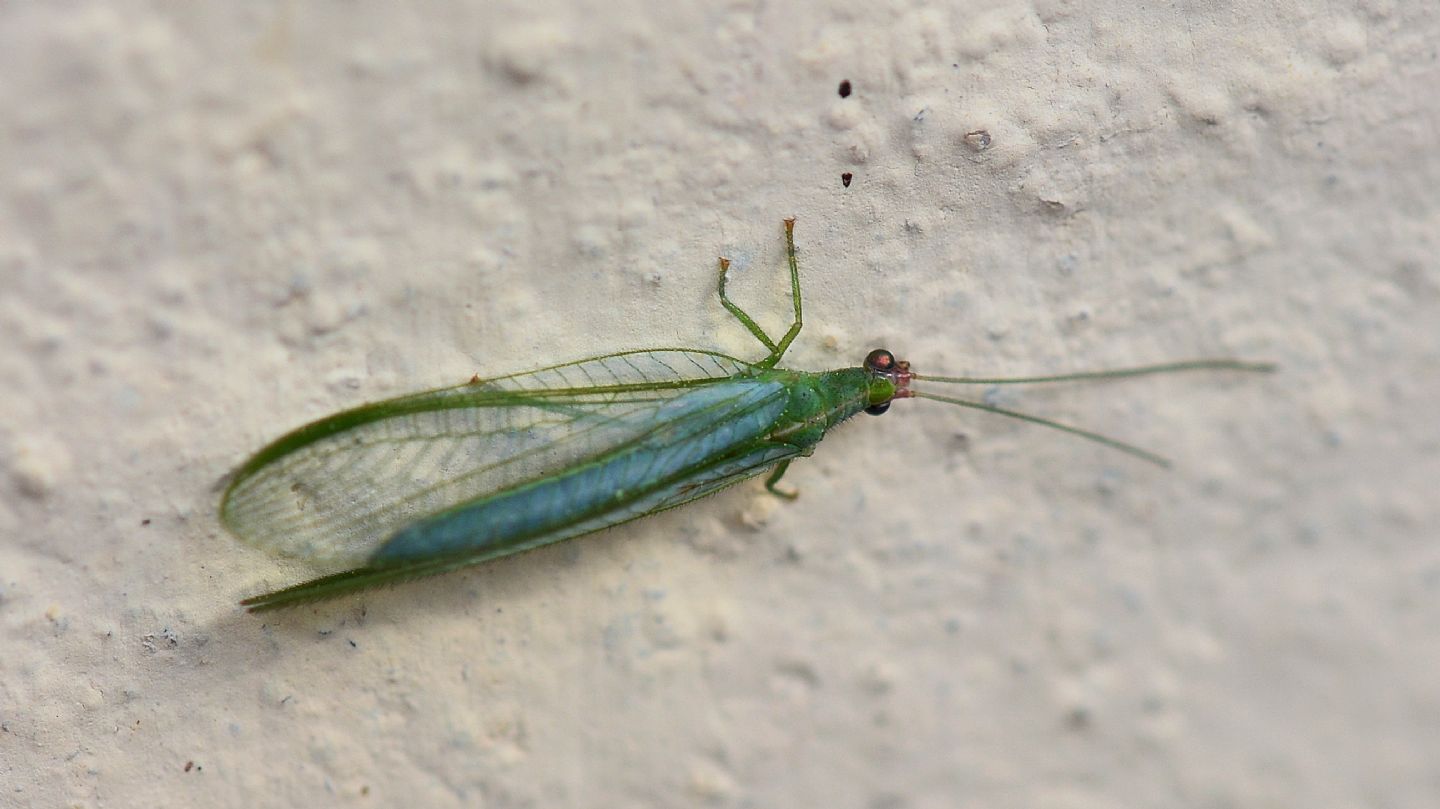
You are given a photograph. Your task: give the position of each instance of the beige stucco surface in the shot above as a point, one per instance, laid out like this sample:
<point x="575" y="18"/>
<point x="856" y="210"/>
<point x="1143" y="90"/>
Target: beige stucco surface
<point x="219" y="221"/>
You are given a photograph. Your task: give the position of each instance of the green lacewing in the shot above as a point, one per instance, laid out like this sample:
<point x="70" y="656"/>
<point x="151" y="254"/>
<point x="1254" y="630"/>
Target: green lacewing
<point x="443" y="479"/>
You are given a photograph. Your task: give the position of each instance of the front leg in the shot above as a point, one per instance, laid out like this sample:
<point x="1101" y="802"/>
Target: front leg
<point x="776" y="349"/>
<point x="770" y="482"/>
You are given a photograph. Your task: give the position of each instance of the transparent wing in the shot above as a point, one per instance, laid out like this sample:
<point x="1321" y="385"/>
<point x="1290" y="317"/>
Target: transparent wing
<point x="335" y="489"/>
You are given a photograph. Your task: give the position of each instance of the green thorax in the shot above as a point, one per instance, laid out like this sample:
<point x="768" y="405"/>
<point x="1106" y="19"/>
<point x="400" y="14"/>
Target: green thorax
<point x="818" y="401"/>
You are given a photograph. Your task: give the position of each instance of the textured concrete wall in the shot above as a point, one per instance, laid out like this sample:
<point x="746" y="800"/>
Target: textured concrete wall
<point x="218" y="223"/>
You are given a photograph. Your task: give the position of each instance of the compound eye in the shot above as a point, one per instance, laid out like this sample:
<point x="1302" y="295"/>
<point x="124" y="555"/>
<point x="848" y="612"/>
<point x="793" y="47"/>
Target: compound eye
<point x="880" y="360"/>
<point x="876" y="410"/>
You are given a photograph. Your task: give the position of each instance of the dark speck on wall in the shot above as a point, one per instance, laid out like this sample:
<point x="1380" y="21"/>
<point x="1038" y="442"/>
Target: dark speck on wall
<point x="845" y="88"/>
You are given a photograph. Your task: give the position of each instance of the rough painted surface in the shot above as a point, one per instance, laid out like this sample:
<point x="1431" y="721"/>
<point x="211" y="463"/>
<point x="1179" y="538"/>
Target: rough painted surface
<point x="216" y="225"/>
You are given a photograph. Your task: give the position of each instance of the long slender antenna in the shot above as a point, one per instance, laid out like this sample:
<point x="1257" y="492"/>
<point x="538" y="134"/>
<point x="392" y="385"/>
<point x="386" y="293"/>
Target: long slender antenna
<point x="1128" y="449"/>
<point x="1118" y="373"/>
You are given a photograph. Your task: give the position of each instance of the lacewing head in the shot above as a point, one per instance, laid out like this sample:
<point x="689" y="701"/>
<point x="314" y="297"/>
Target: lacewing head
<point x="889" y="380"/>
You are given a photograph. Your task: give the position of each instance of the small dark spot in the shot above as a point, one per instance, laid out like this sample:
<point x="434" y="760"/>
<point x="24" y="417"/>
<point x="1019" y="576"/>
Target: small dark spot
<point x="145" y="521"/>
<point x="979" y="140"/>
<point x="365" y="790"/>
<point x="846" y="178"/>
<point x="189" y="765"/>
<point x="353" y="644"/>
<point x="845" y="88"/>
